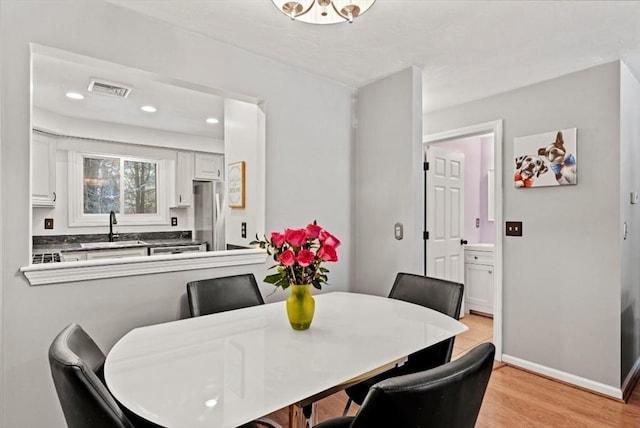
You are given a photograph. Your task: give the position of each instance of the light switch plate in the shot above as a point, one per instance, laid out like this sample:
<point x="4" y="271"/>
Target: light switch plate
<point x="634" y="197"/>
<point x="48" y="223"/>
<point x="398" y="231"/>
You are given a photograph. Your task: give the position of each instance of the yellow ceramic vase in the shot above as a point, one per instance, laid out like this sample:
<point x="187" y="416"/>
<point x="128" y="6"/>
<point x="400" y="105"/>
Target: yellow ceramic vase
<point x="300" y="307"/>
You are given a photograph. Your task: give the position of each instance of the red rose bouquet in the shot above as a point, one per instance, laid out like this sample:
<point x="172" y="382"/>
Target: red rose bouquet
<point x="299" y="254"/>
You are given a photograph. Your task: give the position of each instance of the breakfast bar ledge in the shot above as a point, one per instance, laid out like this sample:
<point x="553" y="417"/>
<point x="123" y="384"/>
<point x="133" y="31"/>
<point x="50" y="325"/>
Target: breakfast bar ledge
<point x="53" y="273"/>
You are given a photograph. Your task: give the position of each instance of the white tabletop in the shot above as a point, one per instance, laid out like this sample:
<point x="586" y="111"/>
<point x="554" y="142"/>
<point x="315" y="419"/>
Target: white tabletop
<point x="223" y="370"/>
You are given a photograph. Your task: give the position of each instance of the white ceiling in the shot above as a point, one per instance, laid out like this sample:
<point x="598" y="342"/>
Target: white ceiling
<point x="467" y="49"/>
<point x="180" y="108"/>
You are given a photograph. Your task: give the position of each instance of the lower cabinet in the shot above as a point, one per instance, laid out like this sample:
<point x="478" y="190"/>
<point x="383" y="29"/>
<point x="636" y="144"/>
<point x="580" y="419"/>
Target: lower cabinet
<point x="117" y="254"/>
<point x="120" y="253"/>
<point x="479" y="282"/>
<point x="73" y="256"/>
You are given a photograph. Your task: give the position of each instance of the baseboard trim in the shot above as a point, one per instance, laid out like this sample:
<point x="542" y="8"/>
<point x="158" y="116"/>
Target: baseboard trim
<point x="631" y="380"/>
<point x="568" y="378"/>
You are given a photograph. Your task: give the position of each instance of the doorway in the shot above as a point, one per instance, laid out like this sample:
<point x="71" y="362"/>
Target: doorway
<point x="472" y="234"/>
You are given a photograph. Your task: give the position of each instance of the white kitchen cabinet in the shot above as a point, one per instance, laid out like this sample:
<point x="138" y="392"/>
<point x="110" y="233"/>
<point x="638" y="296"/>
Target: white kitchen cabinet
<point x="479" y="278"/>
<point x="73" y="256"/>
<point x="119" y="253"/>
<point x="43" y="170"/>
<point x="184" y="180"/>
<point x="209" y="166"/>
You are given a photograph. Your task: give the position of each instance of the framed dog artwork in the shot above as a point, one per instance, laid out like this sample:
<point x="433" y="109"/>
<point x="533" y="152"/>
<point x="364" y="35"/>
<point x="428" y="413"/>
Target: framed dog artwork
<point x="547" y="159"/>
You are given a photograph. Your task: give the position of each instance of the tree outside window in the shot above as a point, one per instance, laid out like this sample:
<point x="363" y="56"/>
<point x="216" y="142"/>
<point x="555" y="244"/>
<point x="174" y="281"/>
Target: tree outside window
<point x="110" y="183"/>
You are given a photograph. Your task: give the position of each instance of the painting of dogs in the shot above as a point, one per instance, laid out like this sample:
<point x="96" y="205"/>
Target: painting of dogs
<point x="561" y="162"/>
<point x="528" y="168"/>
<point x="547" y="159"/>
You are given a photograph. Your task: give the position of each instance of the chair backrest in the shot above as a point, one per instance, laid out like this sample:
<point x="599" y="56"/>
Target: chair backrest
<point x="77" y="365"/>
<point x="439" y="295"/>
<point x="209" y="296"/>
<point x="446" y="396"/>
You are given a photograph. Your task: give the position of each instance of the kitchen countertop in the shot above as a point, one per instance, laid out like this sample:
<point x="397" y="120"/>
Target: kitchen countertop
<point x="58" y="248"/>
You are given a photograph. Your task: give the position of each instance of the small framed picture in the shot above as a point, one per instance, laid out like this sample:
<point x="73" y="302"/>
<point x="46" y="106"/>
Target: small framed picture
<point x="235" y="180"/>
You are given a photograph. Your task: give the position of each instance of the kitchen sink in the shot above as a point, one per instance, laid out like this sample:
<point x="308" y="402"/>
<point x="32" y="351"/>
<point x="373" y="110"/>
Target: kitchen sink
<point x="115" y="244"/>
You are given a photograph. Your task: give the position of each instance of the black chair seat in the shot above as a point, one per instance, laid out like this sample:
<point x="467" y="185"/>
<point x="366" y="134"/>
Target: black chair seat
<point x="447" y="396"/>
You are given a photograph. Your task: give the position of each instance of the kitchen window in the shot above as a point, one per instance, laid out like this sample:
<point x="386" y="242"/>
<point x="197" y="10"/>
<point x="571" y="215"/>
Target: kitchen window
<point x="131" y="187"/>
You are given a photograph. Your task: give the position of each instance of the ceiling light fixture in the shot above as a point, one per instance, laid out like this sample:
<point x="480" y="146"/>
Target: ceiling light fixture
<point x="323" y="11"/>
<point x="149" y="109"/>
<point x="212" y="120"/>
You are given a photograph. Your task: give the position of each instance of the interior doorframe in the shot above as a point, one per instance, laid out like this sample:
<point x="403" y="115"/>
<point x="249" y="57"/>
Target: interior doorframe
<point x="494" y="127"/>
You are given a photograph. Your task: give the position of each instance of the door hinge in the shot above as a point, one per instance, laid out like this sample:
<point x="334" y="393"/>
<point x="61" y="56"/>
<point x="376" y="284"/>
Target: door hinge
<point x="425" y="235"/>
<point x="425" y="166"/>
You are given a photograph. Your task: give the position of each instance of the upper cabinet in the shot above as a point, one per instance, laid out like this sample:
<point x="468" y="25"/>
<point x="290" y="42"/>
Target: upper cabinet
<point x="184" y="179"/>
<point x="209" y="166"/>
<point x="43" y="167"/>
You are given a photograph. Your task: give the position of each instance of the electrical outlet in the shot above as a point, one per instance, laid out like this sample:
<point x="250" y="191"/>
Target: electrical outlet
<point x="477" y="223"/>
<point x="48" y="223"/>
<point x="174" y="221"/>
<point x="513" y="228"/>
<point x="243" y="230"/>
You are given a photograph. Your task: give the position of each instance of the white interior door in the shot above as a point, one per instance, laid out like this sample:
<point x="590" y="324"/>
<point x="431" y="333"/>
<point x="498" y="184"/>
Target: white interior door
<point x="445" y="214"/>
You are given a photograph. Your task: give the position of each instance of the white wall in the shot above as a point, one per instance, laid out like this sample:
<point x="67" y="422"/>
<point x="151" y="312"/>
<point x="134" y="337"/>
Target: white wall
<point x="388" y="176"/>
<point x="487" y="228"/>
<point x="561" y="283"/>
<point x="242" y="137"/>
<point x="308" y="147"/>
<point x="629" y="214"/>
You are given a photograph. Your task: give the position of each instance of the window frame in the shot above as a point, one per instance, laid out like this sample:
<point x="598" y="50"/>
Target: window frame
<point x="77" y="217"/>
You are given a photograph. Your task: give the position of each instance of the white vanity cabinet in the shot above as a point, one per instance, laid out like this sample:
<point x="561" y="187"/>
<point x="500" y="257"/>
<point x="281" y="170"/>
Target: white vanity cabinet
<point x="184" y="179"/>
<point x="209" y="166"/>
<point x="478" y="273"/>
<point x="43" y="169"/>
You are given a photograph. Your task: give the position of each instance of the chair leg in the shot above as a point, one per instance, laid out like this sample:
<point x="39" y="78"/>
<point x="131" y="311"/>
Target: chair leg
<point x="268" y="423"/>
<point x="346" y="408"/>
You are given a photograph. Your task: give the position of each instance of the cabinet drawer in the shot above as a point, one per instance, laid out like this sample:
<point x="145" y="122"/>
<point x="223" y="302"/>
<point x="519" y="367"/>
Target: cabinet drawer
<point x="478" y="257"/>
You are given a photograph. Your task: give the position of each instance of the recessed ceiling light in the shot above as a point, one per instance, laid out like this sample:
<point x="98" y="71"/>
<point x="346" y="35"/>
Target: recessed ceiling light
<point x="74" y="96"/>
<point x="149" y="109"/>
<point x="212" y="120"/>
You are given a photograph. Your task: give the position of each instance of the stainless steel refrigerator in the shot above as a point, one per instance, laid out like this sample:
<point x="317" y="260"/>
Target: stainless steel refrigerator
<point x="208" y="213"/>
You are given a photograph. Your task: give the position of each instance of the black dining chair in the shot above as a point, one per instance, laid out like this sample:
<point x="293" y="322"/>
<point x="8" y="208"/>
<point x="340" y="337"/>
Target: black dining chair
<point x="446" y="396"/>
<point x="77" y="368"/>
<point x="437" y="294"/>
<point x="210" y="296"/>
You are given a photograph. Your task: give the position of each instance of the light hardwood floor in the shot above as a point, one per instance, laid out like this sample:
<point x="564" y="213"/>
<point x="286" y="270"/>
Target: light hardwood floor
<point x="516" y="398"/>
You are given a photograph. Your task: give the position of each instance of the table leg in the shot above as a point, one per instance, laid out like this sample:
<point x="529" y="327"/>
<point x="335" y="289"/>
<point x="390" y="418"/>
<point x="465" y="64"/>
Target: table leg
<point x="297" y="418"/>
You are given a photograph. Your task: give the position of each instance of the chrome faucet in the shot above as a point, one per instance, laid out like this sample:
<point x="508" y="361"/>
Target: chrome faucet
<point x="112" y="221"/>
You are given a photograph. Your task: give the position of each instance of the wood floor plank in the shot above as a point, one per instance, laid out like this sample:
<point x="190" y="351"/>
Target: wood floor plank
<point x="516" y="398"/>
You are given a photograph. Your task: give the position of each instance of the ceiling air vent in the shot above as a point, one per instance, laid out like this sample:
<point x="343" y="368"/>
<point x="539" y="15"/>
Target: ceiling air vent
<point x="109" y="88"/>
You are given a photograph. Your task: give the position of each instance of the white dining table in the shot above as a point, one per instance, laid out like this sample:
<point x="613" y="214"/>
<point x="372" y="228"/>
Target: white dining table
<point x="226" y="369"/>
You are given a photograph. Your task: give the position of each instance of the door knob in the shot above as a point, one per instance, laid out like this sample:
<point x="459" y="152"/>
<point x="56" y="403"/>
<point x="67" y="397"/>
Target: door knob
<point x="463" y="242"/>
